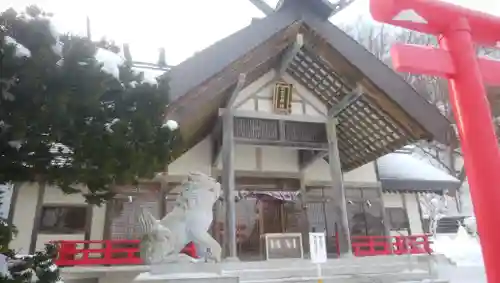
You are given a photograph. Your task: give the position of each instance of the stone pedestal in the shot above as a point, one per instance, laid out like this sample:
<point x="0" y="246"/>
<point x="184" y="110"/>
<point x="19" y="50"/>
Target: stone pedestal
<point x="185" y="273"/>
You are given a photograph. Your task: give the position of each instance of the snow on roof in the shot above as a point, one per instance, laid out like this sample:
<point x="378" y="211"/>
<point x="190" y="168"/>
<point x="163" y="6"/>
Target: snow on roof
<point x="403" y="171"/>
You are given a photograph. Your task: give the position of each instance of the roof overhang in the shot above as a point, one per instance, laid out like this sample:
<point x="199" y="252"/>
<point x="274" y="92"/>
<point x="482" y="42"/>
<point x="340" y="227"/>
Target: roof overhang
<point x="395" y="113"/>
<point x="401" y="171"/>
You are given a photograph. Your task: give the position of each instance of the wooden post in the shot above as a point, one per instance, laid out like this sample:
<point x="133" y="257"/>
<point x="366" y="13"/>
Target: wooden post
<point x="405" y="207"/>
<point x="38" y="217"/>
<point x="228" y="178"/>
<point x="380" y="192"/>
<point x="337" y="193"/>
<point x="304" y="227"/>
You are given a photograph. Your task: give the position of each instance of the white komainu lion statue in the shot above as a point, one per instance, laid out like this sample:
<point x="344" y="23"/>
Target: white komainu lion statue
<point x="189" y="221"/>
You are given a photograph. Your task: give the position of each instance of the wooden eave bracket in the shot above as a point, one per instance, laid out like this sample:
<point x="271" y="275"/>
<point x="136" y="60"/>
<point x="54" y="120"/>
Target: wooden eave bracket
<point x="308" y="157"/>
<point x="289" y="55"/>
<point x="239" y="86"/>
<point x="347" y="101"/>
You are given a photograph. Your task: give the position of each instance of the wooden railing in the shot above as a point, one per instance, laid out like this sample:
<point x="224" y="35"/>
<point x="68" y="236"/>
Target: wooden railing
<point x="126" y="252"/>
<point x="387" y="245"/>
<point x="115" y="252"/>
<point x="110" y="252"/>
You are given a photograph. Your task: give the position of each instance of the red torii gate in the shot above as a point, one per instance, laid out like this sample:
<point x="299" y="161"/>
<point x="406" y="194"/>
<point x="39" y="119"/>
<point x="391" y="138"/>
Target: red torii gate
<point x="458" y="30"/>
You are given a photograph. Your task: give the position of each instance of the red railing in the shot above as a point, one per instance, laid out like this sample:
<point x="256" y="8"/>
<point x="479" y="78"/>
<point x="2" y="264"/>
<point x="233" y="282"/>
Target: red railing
<point x="387" y="245"/>
<point x="126" y="252"/>
<point x="108" y="252"/>
<point x="115" y="252"/>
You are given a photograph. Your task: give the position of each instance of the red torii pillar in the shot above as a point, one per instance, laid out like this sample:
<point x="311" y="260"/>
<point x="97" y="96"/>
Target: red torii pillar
<point x="458" y="30"/>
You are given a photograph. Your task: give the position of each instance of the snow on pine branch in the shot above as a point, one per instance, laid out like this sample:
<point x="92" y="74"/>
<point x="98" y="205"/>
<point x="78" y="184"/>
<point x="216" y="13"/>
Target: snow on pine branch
<point x="110" y="61"/>
<point x="21" y="51"/>
<point x="171" y="125"/>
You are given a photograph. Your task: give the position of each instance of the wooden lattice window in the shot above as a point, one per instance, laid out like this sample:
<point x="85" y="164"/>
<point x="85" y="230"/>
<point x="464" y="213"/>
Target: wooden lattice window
<point x="63" y="219"/>
<point x="398" y="218"/>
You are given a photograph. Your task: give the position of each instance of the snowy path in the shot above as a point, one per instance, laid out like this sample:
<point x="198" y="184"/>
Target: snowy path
<point x="465" y="252"/>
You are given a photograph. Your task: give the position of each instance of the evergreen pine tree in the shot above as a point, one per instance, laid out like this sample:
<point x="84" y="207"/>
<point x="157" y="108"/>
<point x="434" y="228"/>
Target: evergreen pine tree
<point x="71" y="116"/>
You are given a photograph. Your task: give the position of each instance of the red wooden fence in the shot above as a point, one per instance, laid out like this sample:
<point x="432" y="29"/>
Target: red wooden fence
<point x="387" y="245"/>
<point x="126" y="252"/>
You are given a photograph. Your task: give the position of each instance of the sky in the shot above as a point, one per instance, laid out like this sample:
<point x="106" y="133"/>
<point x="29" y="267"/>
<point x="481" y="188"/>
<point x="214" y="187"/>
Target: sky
<point x="182" y="27"/>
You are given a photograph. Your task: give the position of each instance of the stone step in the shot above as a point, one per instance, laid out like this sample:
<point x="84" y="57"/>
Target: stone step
<point x="306" y="263"/>
<point x="287" y="273"/>
<point x="367" y="278"/>
<point x="279" y="270"/>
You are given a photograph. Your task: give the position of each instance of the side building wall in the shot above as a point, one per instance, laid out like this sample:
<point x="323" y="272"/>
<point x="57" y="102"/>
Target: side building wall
<point x="64" y="217"/>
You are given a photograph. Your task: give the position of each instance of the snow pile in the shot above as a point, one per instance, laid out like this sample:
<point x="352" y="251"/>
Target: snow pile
<point x="462" y="250"/>
<point x="21" y="51"/>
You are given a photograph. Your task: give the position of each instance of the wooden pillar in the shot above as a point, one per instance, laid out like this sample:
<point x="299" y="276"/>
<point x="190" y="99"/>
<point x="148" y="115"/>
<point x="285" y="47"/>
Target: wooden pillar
<point x="337" y="193"/>
<point x="405" y="207"/>
<point x="108" y="219"/>
<point x="420" y="214"/>
<point x="303" y="204"/>
<point x="38" y="217"/>
<point x="228" y="183"/>
<point x="380" y="192"/>
<point x="228" y="178"/>
<point x="16" y="187"/>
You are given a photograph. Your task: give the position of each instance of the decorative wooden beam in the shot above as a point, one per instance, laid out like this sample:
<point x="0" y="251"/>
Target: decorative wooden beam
<point x="272" y="116"/>
<point x="236" y="91"/>
<point x="347" y="101"/>
<point x="308" y="157"/>
<point x="283" y="144"/>
<point x="263" y="6"/>
<point x="289" y="55"/>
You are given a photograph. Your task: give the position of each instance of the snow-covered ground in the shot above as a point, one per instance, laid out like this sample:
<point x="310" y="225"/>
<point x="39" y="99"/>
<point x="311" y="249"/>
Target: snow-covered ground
<point x="463" y="251"/>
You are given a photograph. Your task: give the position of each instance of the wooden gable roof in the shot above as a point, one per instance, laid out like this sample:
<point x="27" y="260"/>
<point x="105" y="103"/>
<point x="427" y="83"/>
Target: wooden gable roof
<point x="389" y="115"/>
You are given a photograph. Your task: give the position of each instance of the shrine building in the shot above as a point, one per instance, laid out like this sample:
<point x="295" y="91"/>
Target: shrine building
<point x="300" y="123"/>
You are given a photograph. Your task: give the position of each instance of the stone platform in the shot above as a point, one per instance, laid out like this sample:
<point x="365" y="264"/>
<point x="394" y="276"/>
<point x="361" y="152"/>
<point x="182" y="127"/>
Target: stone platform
<point x="186" y="273"/>
<point x="386" y="269"/>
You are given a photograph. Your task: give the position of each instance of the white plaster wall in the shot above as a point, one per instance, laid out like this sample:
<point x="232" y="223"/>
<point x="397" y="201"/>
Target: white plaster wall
<point x="319" y="171"/>
<point x="198" y="158"/>
<point x="24" y="215"/>
<point x="280" y="159"/>
<point x="392" y="200"/>
<point x="55" y="196"/>
<point x="365" y="174"/>
<point x="262" y="89"/>
<point x="245" y="157"/>
<point x="272" y="159"/>
<point x="413" y="214"/>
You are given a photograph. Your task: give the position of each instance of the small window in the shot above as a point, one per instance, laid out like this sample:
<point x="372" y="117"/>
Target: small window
<point x="60" y="219"/>
<point x="398" y="218"/>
